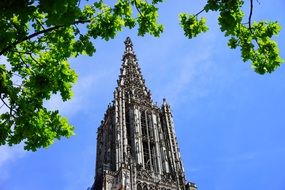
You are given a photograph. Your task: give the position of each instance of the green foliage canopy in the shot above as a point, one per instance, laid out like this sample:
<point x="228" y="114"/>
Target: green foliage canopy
<point x="38" y="36"/>
<point x="254" y="39"/>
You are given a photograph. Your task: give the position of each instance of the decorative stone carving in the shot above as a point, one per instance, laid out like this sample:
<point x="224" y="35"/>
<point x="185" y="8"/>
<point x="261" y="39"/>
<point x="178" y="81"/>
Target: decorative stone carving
<point x="136" y="138"/>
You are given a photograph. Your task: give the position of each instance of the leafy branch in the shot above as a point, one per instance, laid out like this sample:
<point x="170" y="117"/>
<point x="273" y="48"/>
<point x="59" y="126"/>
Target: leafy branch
<point x="9" y="47"/>
<point x="39" y="59"/>
<point x="255" y="41"/>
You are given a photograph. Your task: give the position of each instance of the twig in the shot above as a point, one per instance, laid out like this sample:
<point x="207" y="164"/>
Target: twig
<point x="27" y="66"/>
<point x="199" y="12"/>
<point x="40" y="23"/>
<point x="77" y="30"/>
<point x="10" y="107"/>
<point x="250" y="14"/>
<point x="33" y="58"/>
<point x="136" y="5"/>
<point x="21" y="52"/>
<point x="5" y="104"/>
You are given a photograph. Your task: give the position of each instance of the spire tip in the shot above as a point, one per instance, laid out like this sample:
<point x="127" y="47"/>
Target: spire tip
<point x="128" y="45"/>
<point x="128" y="41"/>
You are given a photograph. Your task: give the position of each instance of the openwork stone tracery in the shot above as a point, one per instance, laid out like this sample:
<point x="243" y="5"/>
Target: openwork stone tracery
<point x="136" y="143"/>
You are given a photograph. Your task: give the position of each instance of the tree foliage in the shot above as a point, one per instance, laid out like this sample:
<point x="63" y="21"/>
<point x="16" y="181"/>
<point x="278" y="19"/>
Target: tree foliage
<point x="254" y="39"/>
<point x="37" y="38"/>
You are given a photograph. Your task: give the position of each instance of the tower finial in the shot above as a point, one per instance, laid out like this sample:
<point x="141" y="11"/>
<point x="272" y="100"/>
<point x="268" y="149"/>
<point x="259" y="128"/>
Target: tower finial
<point x="128" y="45"/>
<point x="128" y="41"/>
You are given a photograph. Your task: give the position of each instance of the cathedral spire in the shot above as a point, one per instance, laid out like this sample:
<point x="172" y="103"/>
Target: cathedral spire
<point x="130" y="78"/>
<point x="137" y="147"/>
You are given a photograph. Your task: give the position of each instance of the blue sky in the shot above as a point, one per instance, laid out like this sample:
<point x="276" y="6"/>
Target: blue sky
<point x="229" y="120"/>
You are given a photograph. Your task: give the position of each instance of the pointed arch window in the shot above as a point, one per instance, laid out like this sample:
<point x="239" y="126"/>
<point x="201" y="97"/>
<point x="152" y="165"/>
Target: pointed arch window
<point x="150" y="125"/>
<point x="128" y="125"/>
<point x="139" y="187"/>
<point x="143" y="124"/>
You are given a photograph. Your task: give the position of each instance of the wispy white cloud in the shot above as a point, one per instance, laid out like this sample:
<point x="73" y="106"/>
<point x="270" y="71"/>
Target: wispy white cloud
<point x="195" y="67"/>
<point x="9" y="155"/>
<point x="83" y="91"/>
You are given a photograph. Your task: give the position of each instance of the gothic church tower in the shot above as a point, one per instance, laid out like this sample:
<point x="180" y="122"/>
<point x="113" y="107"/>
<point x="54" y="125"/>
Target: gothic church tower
<point x="136" y="144"/>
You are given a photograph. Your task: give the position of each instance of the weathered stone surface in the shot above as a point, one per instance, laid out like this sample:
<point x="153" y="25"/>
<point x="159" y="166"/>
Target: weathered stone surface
<point x="136" y="143"/>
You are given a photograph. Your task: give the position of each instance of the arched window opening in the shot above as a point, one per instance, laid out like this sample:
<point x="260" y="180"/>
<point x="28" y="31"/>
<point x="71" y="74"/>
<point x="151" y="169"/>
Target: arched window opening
<point x="139" y="187"/>
<point x="128" y="126"/>
<point x="146" y="155"/>
<point x="143" y="124"/>
<point x="145" y="187"/>
<point x="150" y="126"/>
